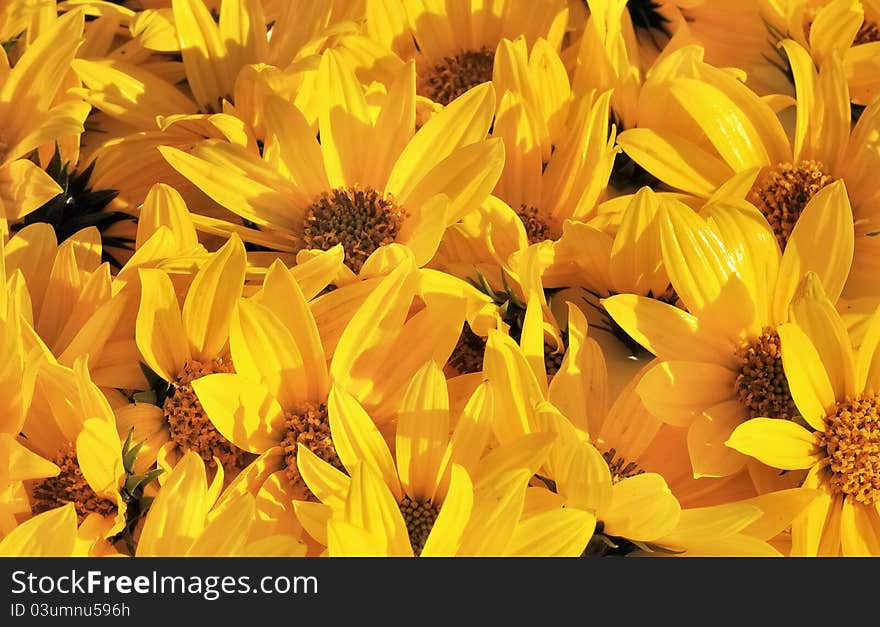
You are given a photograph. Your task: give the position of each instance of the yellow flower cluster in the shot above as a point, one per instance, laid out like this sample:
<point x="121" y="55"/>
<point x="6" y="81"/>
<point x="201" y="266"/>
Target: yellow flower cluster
<point x="440" y="278"/>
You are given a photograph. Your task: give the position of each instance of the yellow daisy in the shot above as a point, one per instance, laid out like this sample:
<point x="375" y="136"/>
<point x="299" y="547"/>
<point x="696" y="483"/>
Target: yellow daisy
<point x="835" y="389"/>
<point x="701" y="129"/>
<point x="73" y="425"/>
<point x="605" y="459"/>
<point x="847" y="28"/>
<point x="280" y="397"/>
<point x="315" y="196"/>
<point x="454" y="42"/>
<point x="180" y="346"/>
<point x="720" y="359"/>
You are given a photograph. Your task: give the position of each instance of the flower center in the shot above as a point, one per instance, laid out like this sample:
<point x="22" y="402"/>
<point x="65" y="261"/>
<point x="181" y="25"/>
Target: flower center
<point x="360" y="219"/>
<point x="420" y="517"/>
<point x="70" y="486"/>
<point x="445" y="81"/>
<point x="619" y="467"/>
<point x="308" y="425"/>
<point x="537" y="230"/>
<point x="190" y="427"/>
<point x="467" y="356"/>
<point x="868" y="33"/>
<point x="782" y="192"/>
<point x="852" y="439"/>
<point x="761" y="385"/>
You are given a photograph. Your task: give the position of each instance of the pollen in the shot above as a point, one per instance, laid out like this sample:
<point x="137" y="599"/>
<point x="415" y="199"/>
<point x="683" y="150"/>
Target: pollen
<point x="70" y="486"/>
<point x="445" y="81"/>
<point x="467" y="356"/>
<point x="619" y="467"/>
<point x="190" y="427"/>
<point x="761" y="385"/>
<point x="852" y="439"/>
<point x="537" y="230"/>
<point x="782" y="192"/>
<point x="868" y="33"/>
<point x="308" y="425"/>
<point x="360" y="219"/>
<point x="420" y="516"/>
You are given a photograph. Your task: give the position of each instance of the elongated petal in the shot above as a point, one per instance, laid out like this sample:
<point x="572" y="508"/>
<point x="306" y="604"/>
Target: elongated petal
<point x="208" y="307"/>
<point x="778" y="443"/>
<point x="204" y="54"/>
<point x="50" y="534"/>
<point x="555" y="533"/>
<point x="423" y="432"/>
<point x="445" y="536"/>
<point x="868" y="359"/>
<point x="371" y="506"/>
<point x="160" y="335"/>
<point x="675" y="160"/>
<point x="807" y="379"/>
<point x="822" y="242"/>
<point x="859" y="530"/>
<point x="358" y="440"/>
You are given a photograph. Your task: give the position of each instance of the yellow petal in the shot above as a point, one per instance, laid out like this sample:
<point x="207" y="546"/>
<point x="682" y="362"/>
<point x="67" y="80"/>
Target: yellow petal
<point x="204" y="54"/>
<point x="859" y="530"/>
<point x="293" y="141"/>
<point x="265" y="350"/>
<point x="24" y="187"/>
<point x="358" y="440"/>
<point x="50" y="534"/>
<point x="706" y="438"/>
<point x="868" y="359"/>
<point x="164" y="206"/>
<point x="778" y="443"/>
<point x="208" y="307"/>
<point x="807" y="379"/>
<point x="642" y="508"/>
<point x="328" y="484"/>
<point x="445" y="535"/>
<point x="675" y="160"/>
<point x="555" y="533"/>
<point x="177" y="516"/>
<point x="667" y="331"/>
<point x="423" y="432"/>
<point x="159" y="330"/>
<point x="817" y="317"/>
<point x="677" y="392"/>
<point x="371" y="506"/>
<point x="344" y="121"/>
<point x="242" y="410"/>
<point x="463" y="122"/>
<point x="514" y="387"/>
<point x="821" y="242"/>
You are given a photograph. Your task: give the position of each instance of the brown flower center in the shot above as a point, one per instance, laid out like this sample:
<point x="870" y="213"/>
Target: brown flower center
<point x="445" y="81"/>
<point x="420" y="517"/>
<point x="868" y="33"/>
<point x="70" y="486"/>
<point x="360" y="219"/>
<point x="467" y="356"/>
<point x="761" y="385"/>
<point x="308" y="425"/>
<point x="619" y="467"/>
<point x="191" y="428"/>
<point x="782" y="192"/>
<point x="852" y="439"/>
<point x="537" y="230"/>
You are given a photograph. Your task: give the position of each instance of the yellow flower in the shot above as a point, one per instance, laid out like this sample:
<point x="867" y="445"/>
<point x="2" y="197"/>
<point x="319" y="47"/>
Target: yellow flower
<point x="181" y="346"/>
<point x="406" y="189"/>
<point x="280" y="396"/>
<point x="33" y="118"/>
<point x="720" y="362"/>
<point x="609" y="460"/>
<point x="836" y="391"/>
<point x="700" y="130"/>
<point x="454" y="41"/>
<point x="847" y="28"/>
<point x="190" y="517"/>
<point x="71" y="423"/>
